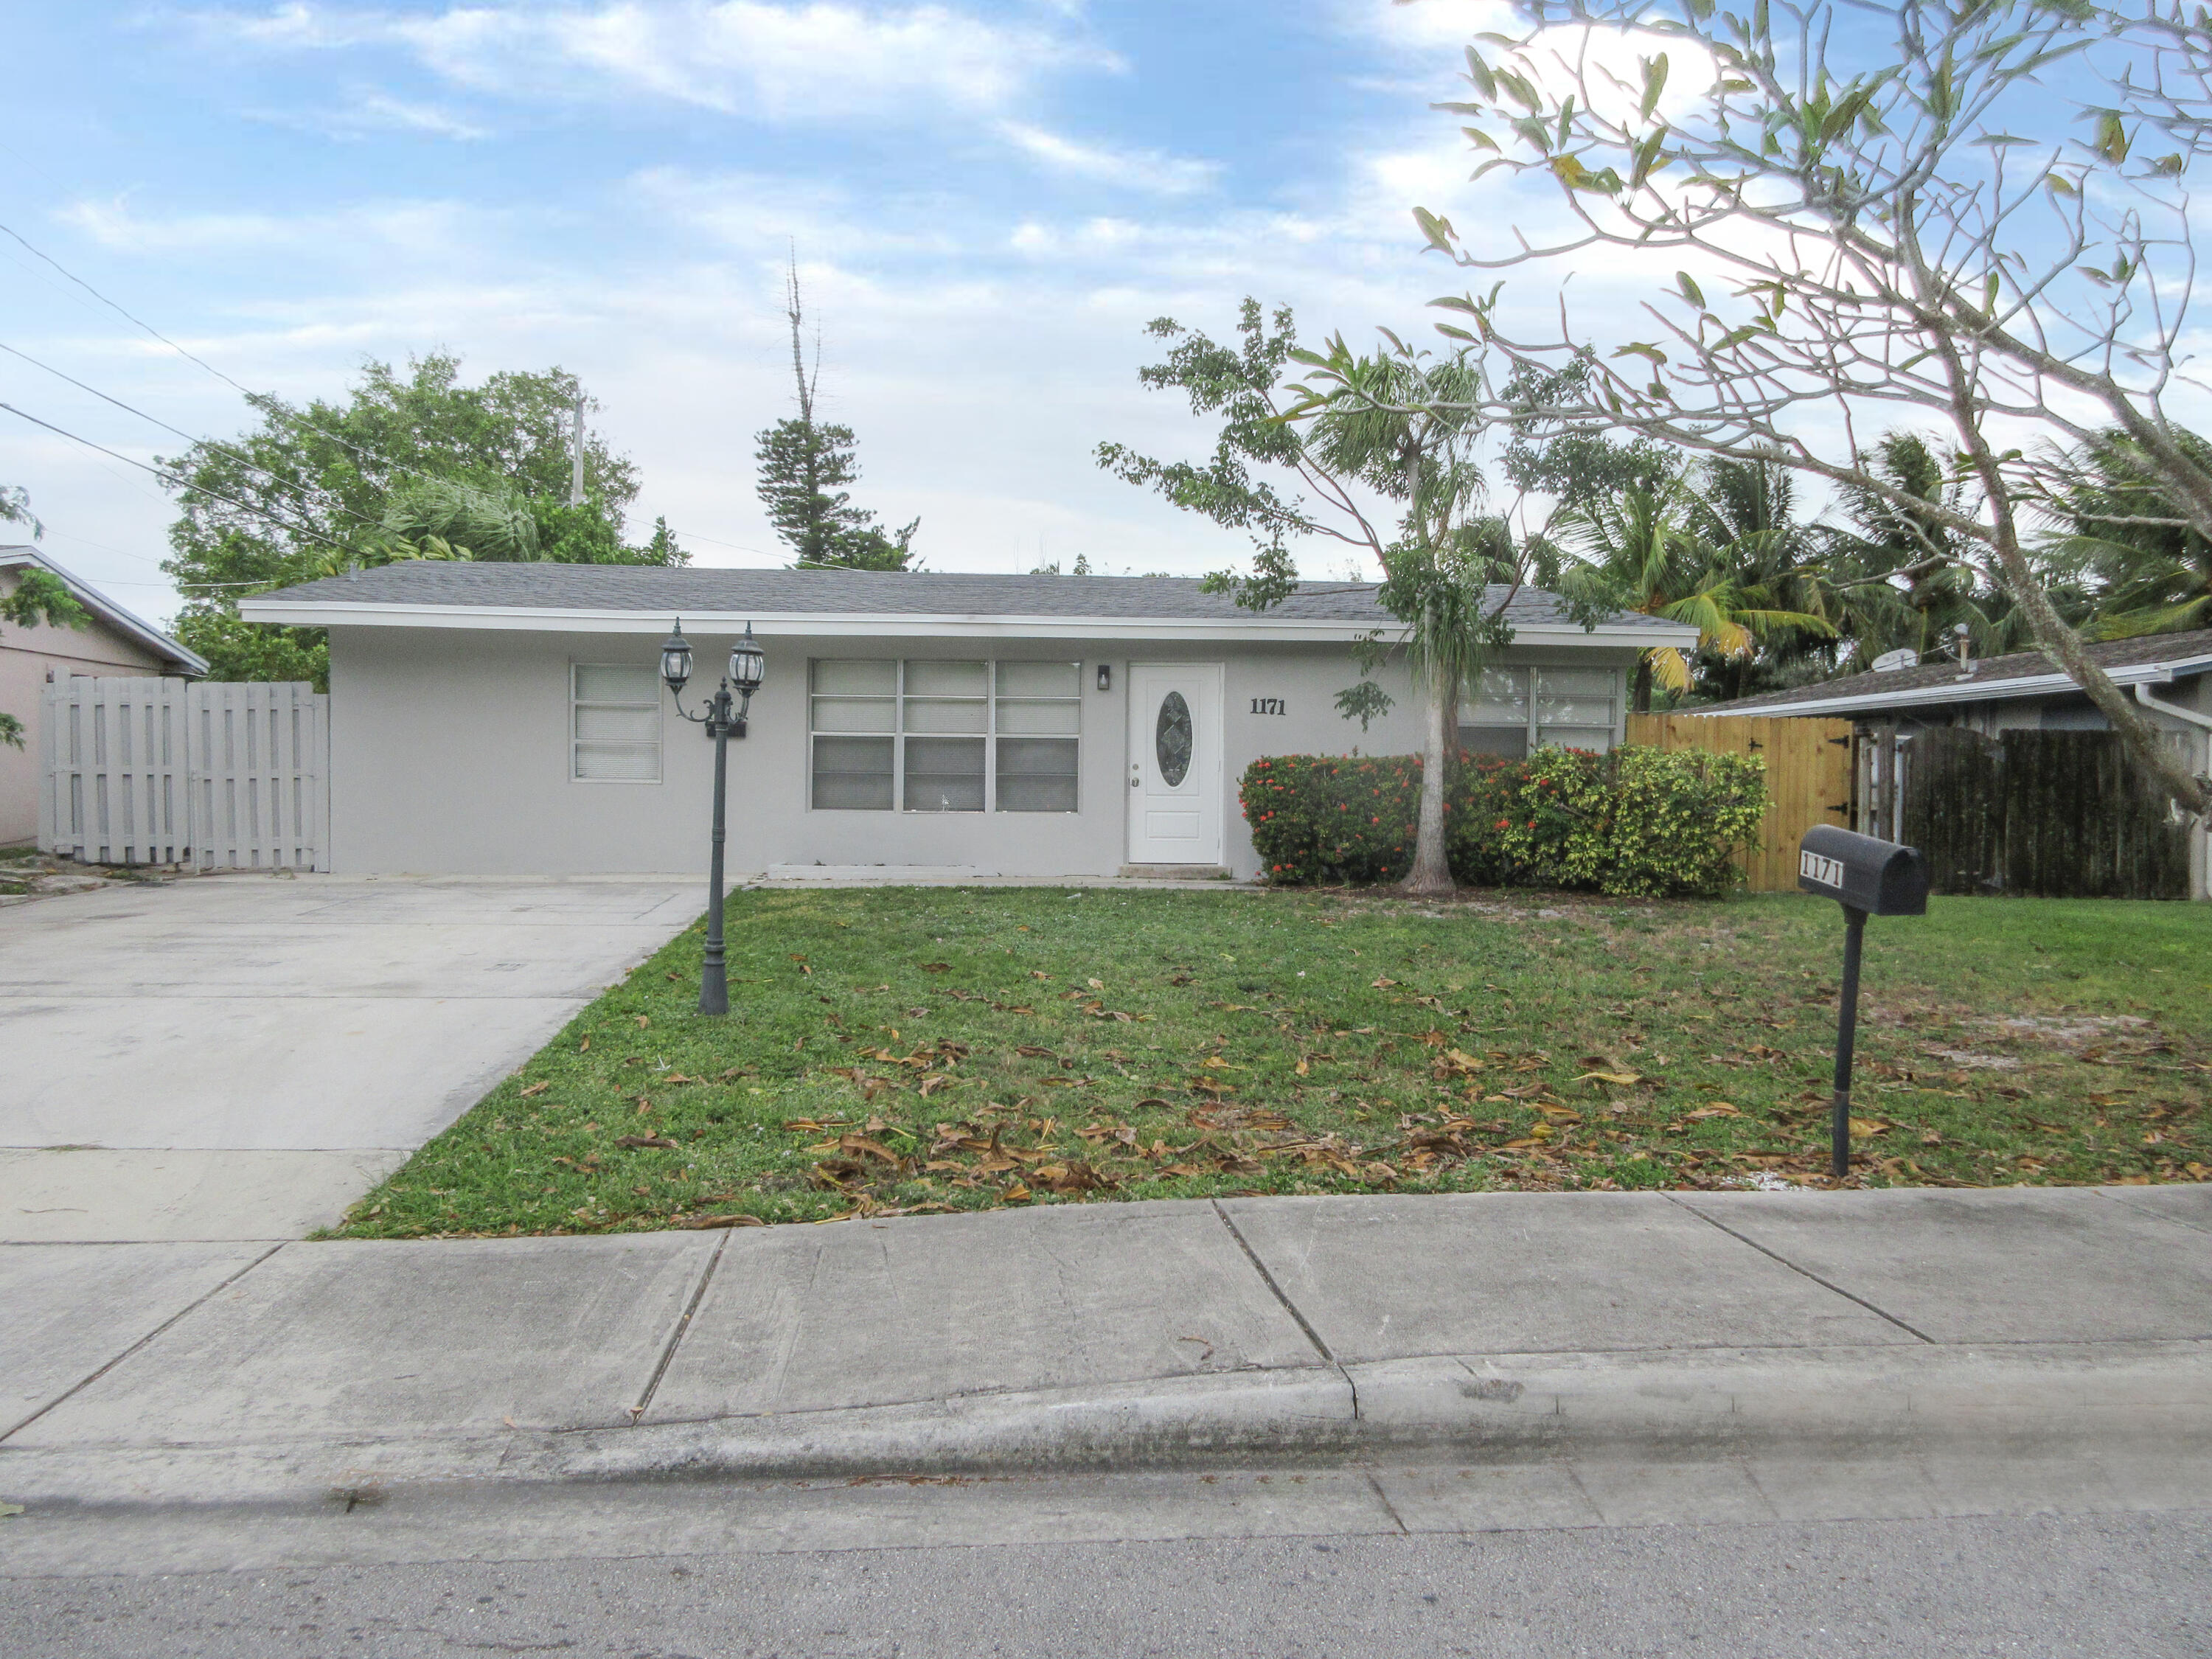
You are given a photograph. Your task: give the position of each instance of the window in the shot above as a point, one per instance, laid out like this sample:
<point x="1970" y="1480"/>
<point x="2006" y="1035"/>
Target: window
<point x="614" y="723"/>
<point x="1516" y="709"/>
<point x="946" y="737"/>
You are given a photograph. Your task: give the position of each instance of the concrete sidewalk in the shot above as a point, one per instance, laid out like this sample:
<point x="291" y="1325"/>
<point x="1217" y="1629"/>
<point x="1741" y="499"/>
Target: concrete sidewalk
<point x="1510" y="1329"/>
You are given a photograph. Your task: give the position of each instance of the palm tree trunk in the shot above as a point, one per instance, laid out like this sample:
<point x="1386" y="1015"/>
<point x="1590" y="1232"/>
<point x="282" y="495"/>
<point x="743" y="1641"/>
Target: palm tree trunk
<point x="1642" y="698"/>
<point x="1431" y="876"/>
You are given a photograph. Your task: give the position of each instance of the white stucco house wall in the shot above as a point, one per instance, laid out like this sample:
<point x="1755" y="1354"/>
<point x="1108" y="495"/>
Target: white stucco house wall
<point x="491" y="718"/>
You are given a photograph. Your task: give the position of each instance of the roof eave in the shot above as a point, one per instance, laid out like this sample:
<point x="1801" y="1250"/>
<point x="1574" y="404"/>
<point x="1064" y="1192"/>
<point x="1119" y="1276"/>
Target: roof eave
<point x="1966" y="690"/>
<point x="888" y="624"/>
<point x="145" y="633"/>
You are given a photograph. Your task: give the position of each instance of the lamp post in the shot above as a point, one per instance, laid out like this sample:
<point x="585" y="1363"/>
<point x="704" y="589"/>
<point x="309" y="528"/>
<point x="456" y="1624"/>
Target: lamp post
<point x="748" y="665"/>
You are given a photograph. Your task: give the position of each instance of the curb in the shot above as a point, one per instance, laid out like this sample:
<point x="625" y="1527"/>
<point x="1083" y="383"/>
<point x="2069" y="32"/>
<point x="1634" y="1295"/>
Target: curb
<point x="2151" y="1398"/>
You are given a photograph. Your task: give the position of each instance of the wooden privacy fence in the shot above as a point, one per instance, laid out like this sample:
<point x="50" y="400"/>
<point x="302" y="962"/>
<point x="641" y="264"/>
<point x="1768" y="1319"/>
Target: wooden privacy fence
<point x="217" y="776"/>
<point x="2051" y="814"/>
<point x="1809" y="777"/>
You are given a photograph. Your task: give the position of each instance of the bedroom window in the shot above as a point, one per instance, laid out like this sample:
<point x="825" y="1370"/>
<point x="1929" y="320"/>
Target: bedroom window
<point x="1516" y="709"/>
<point x="945" y="737"/>
<point x="614" y="723"/>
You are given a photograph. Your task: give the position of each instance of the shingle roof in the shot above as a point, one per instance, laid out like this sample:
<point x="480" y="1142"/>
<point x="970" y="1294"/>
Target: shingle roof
<point x="723" y="592"/>
<point x="1944" y="682"/>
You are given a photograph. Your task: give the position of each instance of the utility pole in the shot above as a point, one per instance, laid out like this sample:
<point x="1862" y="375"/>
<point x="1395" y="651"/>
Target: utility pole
<point x="577" y="458"/>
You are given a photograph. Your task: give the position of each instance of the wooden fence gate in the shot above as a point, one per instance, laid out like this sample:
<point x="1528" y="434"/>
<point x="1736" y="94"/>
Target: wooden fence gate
<point x="218" y="775"/>
<point x="1809" y="777"/>
<point x="2049" y="814"/>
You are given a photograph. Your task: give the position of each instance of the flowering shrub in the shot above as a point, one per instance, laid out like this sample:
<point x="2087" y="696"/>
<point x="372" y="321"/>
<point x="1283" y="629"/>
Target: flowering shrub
<point x="1634" y="822"/>
<point x="1322" y="817"/>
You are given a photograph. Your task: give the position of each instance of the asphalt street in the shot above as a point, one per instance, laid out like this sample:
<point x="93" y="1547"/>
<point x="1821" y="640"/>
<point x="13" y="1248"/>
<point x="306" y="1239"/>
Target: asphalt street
<point x="2048" y="1586"/>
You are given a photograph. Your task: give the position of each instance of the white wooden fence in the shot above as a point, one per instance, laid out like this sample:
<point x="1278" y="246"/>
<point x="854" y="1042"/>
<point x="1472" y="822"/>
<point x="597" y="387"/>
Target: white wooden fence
<point x="216" y="775"/>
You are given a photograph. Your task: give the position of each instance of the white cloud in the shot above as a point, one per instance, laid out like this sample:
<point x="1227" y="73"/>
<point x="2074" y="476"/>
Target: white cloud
<point x="373" y="114"/>
<point x="1145" y="170"/>
<point x="381" y="110"/>
<point x="806" y="60"/>
<point x="416" y="228"/>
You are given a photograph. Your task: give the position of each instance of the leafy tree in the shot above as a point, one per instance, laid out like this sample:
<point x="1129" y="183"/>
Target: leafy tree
<point x="1953" y="215"/>
<point x="15" y="508"/>
<point x="407" y="464"/>
<point x="1295" y="460"/>
<point x="38" y="596"/>
<point x="806" y="465"/>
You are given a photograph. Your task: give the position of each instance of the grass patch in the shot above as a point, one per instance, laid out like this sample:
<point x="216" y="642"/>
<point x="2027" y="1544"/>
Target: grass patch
<point x="895" y="1051"/>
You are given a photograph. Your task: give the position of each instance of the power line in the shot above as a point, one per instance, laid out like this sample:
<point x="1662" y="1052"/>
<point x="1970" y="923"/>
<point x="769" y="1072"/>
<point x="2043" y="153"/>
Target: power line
<point x="263" y="400"/>
<point x="294" y="491"/>
<point x="733" y="546"/>
<point x="266" y="401"/>
<point x="167" y="478"/>
<point x="120" y="312"/>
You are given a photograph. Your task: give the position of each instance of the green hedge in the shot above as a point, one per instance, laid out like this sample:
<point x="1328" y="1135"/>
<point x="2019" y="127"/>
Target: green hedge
<point x="1636" y="821"/>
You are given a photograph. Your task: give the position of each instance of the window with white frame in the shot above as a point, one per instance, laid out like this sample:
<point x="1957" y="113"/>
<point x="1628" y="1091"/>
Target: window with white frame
<point x="1516" y="709"/>
<point x="614" y="723"/>
<point x="945" y="737"/>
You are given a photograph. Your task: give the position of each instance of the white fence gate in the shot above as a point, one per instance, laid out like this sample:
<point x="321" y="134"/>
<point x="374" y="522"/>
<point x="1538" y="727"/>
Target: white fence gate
<point x="218" y="775"/>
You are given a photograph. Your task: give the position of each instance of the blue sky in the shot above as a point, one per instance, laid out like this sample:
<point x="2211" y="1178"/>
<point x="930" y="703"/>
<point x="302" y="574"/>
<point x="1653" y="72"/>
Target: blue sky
<point x="989" y="200"/>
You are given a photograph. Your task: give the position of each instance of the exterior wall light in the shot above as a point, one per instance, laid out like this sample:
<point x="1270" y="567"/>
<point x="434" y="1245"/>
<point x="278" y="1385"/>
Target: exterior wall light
<point x="722" y="717"/>
<point x="1105" y="677"/>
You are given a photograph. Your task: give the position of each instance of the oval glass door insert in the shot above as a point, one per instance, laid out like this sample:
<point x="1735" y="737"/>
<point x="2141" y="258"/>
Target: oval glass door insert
<point x="1171" y="739"/>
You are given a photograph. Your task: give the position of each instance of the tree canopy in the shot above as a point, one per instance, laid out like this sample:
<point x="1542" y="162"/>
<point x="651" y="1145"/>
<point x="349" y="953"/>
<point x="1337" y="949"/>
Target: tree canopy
<point x="411" y="463"/>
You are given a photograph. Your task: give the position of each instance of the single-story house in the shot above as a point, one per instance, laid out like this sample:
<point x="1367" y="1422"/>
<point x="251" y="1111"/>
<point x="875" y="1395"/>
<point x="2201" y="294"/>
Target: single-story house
<point x="2169" y="675"/>
<point x="31" y="658"/>
<point x="508" y="718"/>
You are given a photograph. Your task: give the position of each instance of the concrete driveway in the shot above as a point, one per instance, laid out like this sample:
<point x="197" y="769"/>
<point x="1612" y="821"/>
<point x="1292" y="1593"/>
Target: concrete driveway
<point x="239" y="1057"/>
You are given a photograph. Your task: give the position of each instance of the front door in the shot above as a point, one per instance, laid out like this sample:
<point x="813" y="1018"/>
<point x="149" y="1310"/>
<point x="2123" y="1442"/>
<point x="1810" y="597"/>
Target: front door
<point x="1175" y="763"/>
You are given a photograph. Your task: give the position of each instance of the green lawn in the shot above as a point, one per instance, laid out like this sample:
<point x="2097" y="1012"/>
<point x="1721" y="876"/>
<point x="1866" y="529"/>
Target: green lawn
<point x="915" y="1049"/>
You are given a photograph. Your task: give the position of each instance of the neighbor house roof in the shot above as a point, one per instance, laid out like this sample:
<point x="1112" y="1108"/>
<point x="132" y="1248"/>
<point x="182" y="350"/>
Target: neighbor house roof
<point x="635" y="599"/>
<point x="2151" y="660"/>
<point x="179" y="659"/>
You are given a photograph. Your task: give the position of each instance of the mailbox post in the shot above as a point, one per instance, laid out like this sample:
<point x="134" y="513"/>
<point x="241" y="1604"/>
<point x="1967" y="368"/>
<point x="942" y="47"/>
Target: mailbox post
<point x="1867" y="877"/>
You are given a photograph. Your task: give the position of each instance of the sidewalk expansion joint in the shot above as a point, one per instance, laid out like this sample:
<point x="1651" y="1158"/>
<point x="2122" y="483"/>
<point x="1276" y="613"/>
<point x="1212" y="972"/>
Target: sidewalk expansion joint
<point x="1289" y="1306"/>
<point x="197" y="1303"/>
<point x="1879" y="1313"/>
<point x="1382" y="1497"/>
<point x="682" y="1324"/>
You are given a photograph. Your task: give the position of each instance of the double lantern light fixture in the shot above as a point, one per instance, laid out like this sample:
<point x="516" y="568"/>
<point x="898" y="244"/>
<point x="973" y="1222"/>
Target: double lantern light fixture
<point x="722" y="718"/>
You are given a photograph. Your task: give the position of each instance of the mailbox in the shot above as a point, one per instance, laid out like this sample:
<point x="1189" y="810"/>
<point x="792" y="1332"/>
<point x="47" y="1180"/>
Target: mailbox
<point x="1879" y="877"/>
<point x="1867" y="877"/>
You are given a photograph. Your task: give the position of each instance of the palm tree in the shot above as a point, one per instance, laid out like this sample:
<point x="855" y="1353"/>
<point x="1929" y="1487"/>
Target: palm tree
<point x="2151" y="569"/>
<point x="1743" y="512"/>
<point x="1642" y="551"/>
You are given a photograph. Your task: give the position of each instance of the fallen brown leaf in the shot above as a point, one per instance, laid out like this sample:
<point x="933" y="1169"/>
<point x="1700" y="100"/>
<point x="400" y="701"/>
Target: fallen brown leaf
<point x="536" y="1089"/>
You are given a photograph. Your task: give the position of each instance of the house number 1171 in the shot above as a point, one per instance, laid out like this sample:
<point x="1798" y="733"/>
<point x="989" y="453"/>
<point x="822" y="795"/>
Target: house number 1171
<point x="1268" y="706"/>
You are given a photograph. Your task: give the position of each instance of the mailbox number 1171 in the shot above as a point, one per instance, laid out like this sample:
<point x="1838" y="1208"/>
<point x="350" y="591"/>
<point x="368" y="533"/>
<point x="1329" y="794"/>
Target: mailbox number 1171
<point x="1268" y="706"/>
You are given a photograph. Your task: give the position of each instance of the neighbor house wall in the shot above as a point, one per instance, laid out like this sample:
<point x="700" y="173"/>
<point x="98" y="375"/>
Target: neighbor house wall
<point x="29" y="659"/>
<point x="449" y="754"/>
